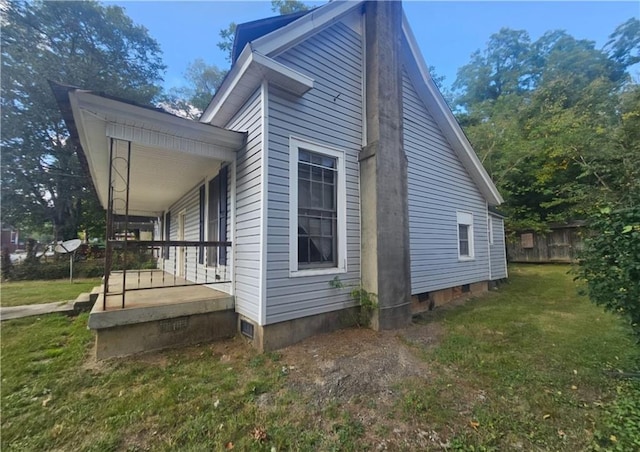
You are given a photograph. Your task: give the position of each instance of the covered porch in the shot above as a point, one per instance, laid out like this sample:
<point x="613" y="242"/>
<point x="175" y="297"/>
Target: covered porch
<point x="175" y="288"/>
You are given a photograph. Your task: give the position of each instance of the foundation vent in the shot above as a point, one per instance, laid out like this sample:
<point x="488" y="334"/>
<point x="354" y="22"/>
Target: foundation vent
<point x="246" y="328"/>
<point x="173" y="325"/>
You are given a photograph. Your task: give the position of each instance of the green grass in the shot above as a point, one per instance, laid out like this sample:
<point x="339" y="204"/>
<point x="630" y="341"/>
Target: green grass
<point x="529" y="360"/>
<point x="519" y="368"/>
<point x="16" y="293"/>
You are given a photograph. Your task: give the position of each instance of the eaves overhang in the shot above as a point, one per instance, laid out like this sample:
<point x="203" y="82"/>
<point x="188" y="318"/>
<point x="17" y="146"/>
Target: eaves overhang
<point x="246" y="75"/>
<point x="168" y="155"/>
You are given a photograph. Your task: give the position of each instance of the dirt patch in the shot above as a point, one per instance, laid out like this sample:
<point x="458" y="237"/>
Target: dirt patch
<point x="364" y="372"/>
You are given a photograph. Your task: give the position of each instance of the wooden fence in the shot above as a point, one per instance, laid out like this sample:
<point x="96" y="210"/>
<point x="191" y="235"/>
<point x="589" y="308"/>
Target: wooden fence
<point x="561" y="244"/>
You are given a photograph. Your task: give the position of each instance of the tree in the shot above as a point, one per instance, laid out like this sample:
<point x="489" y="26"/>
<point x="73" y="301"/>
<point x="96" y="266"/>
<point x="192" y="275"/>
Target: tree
<point x="543" y="117"/>
<point x="190" y="100"/>
<point x="288" y="6"/>
<point x="80" y="43"/>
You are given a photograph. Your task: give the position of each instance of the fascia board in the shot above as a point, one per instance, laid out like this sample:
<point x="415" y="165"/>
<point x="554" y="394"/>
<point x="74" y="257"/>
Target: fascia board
<point x="114" y="111"/>
<point x="448" y="123"/>
<point x="79" y="118"/>
<point x="227" y="88"/>
<point x="287" y="78"/>
<point x="248" y="73"/>
<point x="283" y="38"/>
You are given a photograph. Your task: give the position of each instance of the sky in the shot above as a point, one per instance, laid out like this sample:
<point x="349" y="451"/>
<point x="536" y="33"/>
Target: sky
<point x="448" y="32"/>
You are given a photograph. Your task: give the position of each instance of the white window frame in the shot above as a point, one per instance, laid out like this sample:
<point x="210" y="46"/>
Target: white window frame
<point x="341" y="209"/>
<point x="465" y="219"/>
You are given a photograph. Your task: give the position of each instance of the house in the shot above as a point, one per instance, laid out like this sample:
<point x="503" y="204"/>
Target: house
<point x="9" y="238"/>
<point x="328" y="152"/>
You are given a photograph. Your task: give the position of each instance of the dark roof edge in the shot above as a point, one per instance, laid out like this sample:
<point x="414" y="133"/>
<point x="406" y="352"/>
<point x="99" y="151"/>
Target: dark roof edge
<point x="496" y="213"/>
<point x="249" y="31"/>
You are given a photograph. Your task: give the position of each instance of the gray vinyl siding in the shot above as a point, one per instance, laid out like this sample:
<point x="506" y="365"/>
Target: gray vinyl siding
<point x="439" y="187"/>
<point x="248" y="203"/>
<point x="192" y="271"/>
<point x="498" y="249"/>
<point x="330" y="114"/>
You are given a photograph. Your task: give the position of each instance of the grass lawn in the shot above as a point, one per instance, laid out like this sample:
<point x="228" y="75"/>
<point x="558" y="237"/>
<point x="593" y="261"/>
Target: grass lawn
<point x="16" y="293"/>
<point x="522" y="368"/>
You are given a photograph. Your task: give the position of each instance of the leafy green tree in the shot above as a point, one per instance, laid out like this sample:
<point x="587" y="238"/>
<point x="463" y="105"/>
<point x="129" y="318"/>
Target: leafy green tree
<point x="543" y="117"/>
<point x="191" y="100"/>
<point x="227" y="35"/>
<point x="288" y="6"/>
<point x="79" y="43"/>
<point x="503" y="68"/>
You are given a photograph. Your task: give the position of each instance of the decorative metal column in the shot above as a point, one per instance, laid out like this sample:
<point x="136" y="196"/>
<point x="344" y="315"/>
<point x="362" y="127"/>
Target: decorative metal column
<point x="119" y="187"/>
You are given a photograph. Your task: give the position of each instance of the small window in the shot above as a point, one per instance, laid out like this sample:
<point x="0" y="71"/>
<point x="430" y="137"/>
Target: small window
<point x="317" y="209"/>
<point x="465" y="236"/>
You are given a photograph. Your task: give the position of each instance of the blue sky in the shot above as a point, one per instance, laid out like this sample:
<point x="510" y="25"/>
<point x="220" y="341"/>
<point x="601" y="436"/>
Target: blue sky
<point x="447" y="32"/>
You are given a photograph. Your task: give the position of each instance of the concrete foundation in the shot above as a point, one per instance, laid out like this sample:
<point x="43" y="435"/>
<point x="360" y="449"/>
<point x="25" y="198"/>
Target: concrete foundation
<point x="161" y="318"/>
<point x="178" y="331"/>
<point x="272" y="337"/>
<point x="426" y="302"/>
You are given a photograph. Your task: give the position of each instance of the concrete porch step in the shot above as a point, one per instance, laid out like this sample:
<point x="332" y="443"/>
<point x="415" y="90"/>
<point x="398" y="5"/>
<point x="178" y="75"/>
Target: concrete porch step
<point x="84" y="302"/>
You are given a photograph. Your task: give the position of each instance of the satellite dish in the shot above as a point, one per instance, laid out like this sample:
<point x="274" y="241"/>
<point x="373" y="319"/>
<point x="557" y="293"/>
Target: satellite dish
<point x="68" y="246"/>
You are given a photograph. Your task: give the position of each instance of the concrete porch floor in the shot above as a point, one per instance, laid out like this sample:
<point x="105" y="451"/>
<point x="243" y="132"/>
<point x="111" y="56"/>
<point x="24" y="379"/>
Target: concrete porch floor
<point x="156" y="301"/>
<point x="157" y="288"/>
<point x="159" y="316"/>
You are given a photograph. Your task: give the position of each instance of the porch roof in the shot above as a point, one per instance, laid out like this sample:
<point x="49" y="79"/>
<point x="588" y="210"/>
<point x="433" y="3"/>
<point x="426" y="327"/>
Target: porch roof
<point x="169" y="155"/>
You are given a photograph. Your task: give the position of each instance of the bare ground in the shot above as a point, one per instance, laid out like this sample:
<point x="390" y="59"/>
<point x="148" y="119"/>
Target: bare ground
<point x="358" y="371"/>
<point x="366" y="373"/>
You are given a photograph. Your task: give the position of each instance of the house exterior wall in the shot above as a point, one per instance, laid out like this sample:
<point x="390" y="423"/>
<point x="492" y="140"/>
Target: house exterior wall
<point x="189" y="205"/>
<point x="247" y="239"/>
<point x="439" y="189"/>
<point x="498" y="249"/>
<point x="330" y="114"/>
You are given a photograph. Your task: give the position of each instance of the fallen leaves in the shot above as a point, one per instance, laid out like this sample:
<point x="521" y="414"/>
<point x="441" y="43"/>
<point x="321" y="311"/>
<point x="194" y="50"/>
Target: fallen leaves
<point x="260" y="434"/>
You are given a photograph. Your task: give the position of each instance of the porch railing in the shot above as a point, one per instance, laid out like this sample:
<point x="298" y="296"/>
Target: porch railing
<point x="153" y="264"/>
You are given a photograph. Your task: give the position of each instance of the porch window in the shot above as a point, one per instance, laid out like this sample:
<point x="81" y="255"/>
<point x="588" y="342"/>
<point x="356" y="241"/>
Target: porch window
<point x="465" y="236"/>
<point x="318" y="232"/>
<point x="217" y="218"/>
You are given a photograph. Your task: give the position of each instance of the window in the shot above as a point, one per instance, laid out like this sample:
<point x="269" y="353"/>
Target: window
<point x="465" y="236"/>
<point x="317" y="209"/>
<point x="217" y="218"/>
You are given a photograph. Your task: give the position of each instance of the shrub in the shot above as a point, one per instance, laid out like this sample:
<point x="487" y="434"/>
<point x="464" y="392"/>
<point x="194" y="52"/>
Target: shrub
<point x="610" y="263"/>
<point x="56" y="270"/>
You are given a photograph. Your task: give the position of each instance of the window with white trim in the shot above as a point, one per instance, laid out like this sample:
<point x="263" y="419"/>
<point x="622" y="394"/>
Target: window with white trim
<point x="317" y="209"/>
<point x="465" y="236"/>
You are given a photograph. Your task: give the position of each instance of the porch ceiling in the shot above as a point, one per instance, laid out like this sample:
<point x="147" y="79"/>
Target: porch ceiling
<point x="159" y="177"/>
<point x="169" y="155"/>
